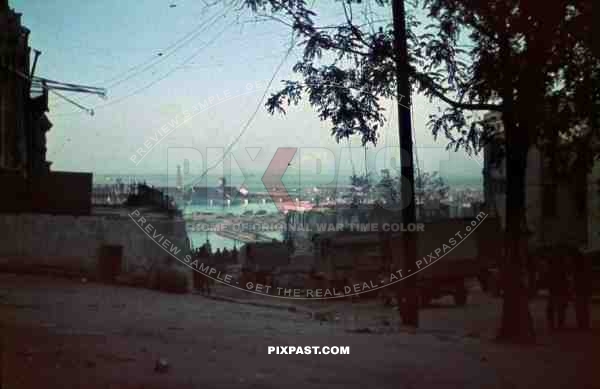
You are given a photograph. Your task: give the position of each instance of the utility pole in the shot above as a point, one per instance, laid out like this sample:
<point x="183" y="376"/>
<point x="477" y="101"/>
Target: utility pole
<point x="409" y="308"/>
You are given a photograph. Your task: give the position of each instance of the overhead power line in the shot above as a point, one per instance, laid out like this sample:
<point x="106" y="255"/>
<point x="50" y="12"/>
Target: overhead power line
<point x="164" y="76"/>
<point x="170" y="50"/>
<point x="253" y="115"/>
<point x="173" y="70"/>
<point x="165" y="53"/>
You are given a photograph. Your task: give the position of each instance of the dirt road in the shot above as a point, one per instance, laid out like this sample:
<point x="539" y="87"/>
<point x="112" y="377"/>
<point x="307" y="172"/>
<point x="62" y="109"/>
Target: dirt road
<point x="66" y="334"/>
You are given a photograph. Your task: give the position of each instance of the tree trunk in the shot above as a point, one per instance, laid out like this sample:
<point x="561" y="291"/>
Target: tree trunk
<point x="516" y="324"/>
<point x="409" y="304"/>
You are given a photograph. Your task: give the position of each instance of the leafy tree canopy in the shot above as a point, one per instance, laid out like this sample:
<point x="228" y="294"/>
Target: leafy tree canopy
<point x="466" y="53"/>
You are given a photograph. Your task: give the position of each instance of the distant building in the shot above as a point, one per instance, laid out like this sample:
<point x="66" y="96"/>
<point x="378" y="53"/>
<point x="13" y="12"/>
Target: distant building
<point x="431" y="209"/>
<point x="214" y="196"/>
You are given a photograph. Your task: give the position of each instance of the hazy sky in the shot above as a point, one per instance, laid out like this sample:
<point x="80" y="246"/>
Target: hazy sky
<point x="156" y="61"/>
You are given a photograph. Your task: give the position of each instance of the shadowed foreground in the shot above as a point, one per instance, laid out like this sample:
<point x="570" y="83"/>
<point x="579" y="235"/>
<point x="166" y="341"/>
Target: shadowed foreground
<point x="66" y="334"/>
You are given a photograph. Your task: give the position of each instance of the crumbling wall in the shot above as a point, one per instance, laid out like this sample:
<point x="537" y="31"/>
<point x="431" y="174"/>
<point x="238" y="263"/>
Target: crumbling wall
<point x="74" y="242"/>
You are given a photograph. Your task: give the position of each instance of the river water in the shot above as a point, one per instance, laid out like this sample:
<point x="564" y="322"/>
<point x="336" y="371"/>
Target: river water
<point x="218" y="242"/>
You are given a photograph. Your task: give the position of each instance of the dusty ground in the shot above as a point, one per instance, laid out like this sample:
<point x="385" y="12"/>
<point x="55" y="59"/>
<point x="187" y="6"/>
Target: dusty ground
<point x="65" y="334"/>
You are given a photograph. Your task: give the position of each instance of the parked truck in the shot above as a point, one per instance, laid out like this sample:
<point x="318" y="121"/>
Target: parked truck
<point x="448" y="252"/>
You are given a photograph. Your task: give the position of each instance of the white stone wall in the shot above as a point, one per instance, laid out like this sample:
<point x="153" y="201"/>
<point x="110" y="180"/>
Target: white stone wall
<point x="75" y="241"/>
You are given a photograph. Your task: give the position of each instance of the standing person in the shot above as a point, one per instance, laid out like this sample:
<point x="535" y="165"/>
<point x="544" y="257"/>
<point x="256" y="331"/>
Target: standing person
<point x="582" y="285"/>
<point x="558" y="288"/>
